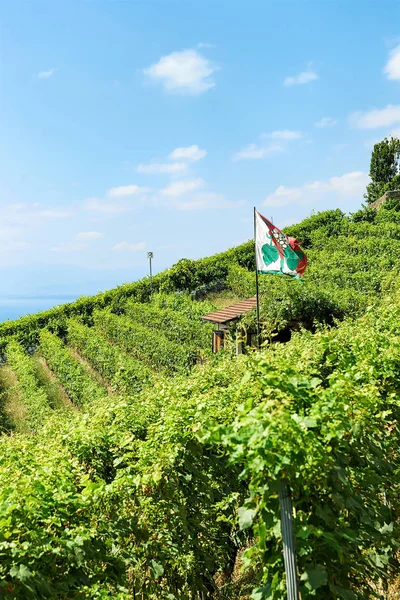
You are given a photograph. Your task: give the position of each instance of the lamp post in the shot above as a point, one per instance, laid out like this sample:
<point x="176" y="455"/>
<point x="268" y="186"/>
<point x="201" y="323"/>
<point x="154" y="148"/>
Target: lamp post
<point x="150" y="256"/>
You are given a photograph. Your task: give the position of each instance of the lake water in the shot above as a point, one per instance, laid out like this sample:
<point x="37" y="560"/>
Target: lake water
<point x="12" y="308"/>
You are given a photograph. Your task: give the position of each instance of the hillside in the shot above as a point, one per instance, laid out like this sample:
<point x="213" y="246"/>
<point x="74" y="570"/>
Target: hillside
<point x="136" y="464"/>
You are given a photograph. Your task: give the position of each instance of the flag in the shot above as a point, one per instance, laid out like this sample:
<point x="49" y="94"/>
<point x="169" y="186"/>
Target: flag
<point x="276" y="252"/>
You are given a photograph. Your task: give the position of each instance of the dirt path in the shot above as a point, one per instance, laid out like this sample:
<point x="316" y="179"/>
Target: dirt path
<point x="95" y="374"/>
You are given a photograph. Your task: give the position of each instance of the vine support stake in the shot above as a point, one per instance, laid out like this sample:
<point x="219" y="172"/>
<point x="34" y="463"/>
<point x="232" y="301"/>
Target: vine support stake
<point x="289" y="552"/>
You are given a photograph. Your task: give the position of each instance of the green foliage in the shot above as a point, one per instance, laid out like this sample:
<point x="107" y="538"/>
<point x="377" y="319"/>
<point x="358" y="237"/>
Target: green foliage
<point x="175" y="326"/>
<point x="327" y="422"/>
<point x="365" y="214"/>
<point x="183" y="303"/>
<point x="349" y="261"/>
<point x="294" y="302"/>
<point x="384" y="168"/>
<point x="144" y="343"/>
<point x="327" y="223"/>
<point x="121" y="371"/>
<point x="81" y="387"/>
<point x="186" y="276"/>
<point x="241" y="281"/>
<point x="142" y="493"/>
<point x="33" y="396"/>
<point x="210" y="272"/>
<point x="56" y="526"/>
<point x="186" y="491"/>
<point x="125" y="498"/>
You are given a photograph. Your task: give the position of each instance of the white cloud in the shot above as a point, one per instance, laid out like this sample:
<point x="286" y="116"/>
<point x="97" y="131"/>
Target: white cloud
<point x="69" y="247"/>
<point x="190" y="153"/>
<point x="17" y="246"/>
<point x="162" y="168"/>
<point x="370" y="143"/>
<point x="46" y="74"/>
<point x="300" y="78"/>
<point x="283" y="195"/>
<point x="203" y="201"/>
<point x="392" y="67"/>
<point x="276" y="141"/>
<point x="182" y="156"/>
<point x="96" y="205"/>
<point x="54" y="214"/>
<point x="349" y="185"/>
<point x="88" y="235"/>
<point x="124" y="191"/>
<point x="379" y="117"/>
<point x="179" y="188"/>
<point x="185" y="72"/>
<point x="205" y="45"/>
<point x="127" y="247"/>
<point x="284" y="134"/>
<point x="325" y="122"/>
<point x="255" y="152"/>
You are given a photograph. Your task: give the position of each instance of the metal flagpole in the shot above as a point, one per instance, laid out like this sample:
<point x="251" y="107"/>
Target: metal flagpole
<point x="257" y="294"/>
<point x="289" y="553"/>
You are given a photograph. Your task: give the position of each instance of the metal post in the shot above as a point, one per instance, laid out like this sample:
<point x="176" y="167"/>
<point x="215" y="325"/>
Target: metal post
<point x="150" y="256"/>
<point x="257" y="294"/>
<point x="289" y="553"/>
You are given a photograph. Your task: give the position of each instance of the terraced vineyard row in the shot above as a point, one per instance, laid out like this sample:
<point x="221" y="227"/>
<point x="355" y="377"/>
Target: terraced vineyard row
<point x="175" y="326"/>
<point x="158" y="487"/>
<point x="145" y="343"/>
<point x="117" y="354"/>
<point x="34" y="397"/>
<point x="81" y="387"/>
<point x="122" y="372"/>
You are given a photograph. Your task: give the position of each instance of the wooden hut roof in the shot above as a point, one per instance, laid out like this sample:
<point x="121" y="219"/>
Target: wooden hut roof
<point x="230" y="313"/>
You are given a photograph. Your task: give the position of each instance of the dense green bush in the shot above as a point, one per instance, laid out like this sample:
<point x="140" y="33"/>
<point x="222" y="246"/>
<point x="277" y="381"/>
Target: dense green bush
<point x="182" y="303"/>
<point x="329" y="223"/>
<point x="241" y="281"/>
<point x="150" y="494"/>
<point x="124" y="498"/>
<point x="34" y="397"/>
<point x="177" y="327"/>
<point x="57" y="526"/>
<point x="81" y="387"/>
<point x="144" y="343"/>
<point x="122" y="372"/>
<point x="142" y="495"/>
<point x="328" y="423"/>
<point x="186" y="276"/>
<point x="348" y="258"/>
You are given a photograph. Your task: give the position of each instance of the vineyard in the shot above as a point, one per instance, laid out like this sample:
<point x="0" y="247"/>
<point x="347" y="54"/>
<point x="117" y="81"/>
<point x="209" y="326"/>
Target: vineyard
<point x="134" y="463"/>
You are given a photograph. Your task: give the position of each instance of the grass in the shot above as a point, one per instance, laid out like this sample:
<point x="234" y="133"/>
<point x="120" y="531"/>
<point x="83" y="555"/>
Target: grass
<point x="394" y="590"/>
<point x="237" y="585"/>
<point x="13" y="412"/>
<point x="223" y="299"/>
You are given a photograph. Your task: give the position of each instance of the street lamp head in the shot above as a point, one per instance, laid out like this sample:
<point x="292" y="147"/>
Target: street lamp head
<point x="149" y="255"/>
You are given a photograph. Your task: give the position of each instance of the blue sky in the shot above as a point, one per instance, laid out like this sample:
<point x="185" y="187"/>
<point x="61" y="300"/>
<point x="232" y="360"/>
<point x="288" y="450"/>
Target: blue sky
<point x="132" y="126"/>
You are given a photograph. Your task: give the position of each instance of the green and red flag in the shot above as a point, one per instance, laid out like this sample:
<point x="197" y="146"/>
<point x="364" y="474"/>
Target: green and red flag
<point x="276" y="252"/>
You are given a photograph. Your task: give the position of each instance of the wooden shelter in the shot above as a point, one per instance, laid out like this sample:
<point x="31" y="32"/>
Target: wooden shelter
<point x="223" y="320"/>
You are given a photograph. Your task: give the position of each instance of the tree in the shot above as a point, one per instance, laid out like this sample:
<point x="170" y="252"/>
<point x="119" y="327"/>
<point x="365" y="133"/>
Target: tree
<point x="384" y="168"/>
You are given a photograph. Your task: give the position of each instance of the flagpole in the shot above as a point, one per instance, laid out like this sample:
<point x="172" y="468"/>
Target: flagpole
<point x="257" y="294"/>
